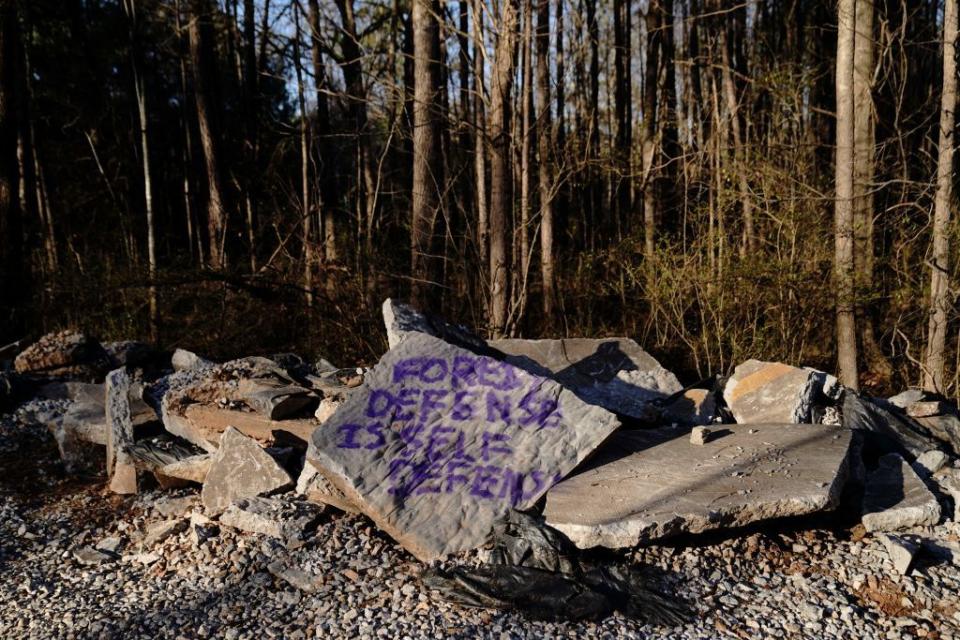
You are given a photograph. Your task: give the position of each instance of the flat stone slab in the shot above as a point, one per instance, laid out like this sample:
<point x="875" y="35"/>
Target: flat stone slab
<point x="282" y="519"/>
<point x="648" y="484"/>
<point x="240" y="469"/>
<point x="439" y="443"/>
<point x="203" y="424"/>
<point x="896" y="498"/>
<point x="772" y="392"/>
<point x="614" y="373"/>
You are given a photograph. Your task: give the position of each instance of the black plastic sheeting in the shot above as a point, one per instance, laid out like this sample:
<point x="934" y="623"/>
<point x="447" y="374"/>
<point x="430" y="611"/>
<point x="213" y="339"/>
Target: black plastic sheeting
<point x="533" y="569"/>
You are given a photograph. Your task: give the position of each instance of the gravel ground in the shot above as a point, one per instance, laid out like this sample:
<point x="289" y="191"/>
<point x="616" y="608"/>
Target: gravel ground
<point x="354" y="582"/>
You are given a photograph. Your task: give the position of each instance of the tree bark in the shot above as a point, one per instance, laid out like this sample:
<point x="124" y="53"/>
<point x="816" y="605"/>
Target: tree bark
<point x="426" y="145"/>
<point x="649" y="147"/>
<point x="545" y="160"/>
<point x="306" y="211"/>
<point x="130" y="9"/>
<point x="480" y="135"/>
<point x="328" y="188"/>
<point x="623" y="101"/>
<point x="205" y="95"/>
<point x="251" y="111"/>
<point x="501" y="88"/>
<point x="843" y="200"/>
<point x="933" y="373"/>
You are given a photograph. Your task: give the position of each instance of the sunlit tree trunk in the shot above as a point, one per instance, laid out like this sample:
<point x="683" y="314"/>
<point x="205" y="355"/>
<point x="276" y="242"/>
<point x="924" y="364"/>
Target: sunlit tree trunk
<point x="843" y="199"/>
<point x="480" y="136"/>
<point x="501" y="179"/>
<point x="649" y="146"/>
<point x="933" y="373"/>
<point x="545" y="159"/>
<point x="306" y="211"/>
<point x="426" y="145"/>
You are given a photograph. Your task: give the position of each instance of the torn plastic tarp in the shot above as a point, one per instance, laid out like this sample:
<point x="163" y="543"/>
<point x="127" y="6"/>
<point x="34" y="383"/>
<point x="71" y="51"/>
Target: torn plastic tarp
<point x="532" y="568"/>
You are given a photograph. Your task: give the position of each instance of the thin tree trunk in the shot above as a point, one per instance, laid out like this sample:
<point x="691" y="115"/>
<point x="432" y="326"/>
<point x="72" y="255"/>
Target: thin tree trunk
<point x="251" y="111"/>
<point x="187" y="143"/>
<point x="480" y="136"/>
<point x="306" y="212"/>
<point x="545" y="159"/>
<point x="500" y="167"/>
<point x="526" y="98"/>
<point x="623" y="106"/>
<point x="130" y="8"/>
<point x="649" y="147"/>
<point x="863" y="158"/>
<point x="843" y="202"/>
<point x="933" y="373"/>
<point x="426" y="145"/>
<point x="206" y="102"/>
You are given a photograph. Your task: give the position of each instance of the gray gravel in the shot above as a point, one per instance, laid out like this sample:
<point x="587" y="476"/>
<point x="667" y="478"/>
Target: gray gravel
<point x="73" y="565"/>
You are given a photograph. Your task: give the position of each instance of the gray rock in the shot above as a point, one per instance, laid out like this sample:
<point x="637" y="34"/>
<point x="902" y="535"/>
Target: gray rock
<point x="120" y="468"/>
<point x="170" y="507"/>
<point x="63" y="354"/>
<point x="91" y="556"/>
<point x="930" y="462"/>
<point x="773" y="392"/>
<point x="302" y="580"/>
<point x="109" y="545"/>
<point x="927" y="408"/>
<point x="648" y="484"/>
<point x="947" y="480"/>
<point x="274" y="399"/>
<point x="160" y="531"/>
<point x="193" y="469"/>
<point x="316" y="488"/>
<point x="901" y="551"/>
<point x="183" y="360"/>
<point x="896" y="498"/>
<point x="945" y="428"/>
<point x="440" y="443"/>
<point x="283" y="519"/>
<point x="906" y="398"/>
<point x="613" y="373"/>
<point x="699" y="435"/>
<point x="128" y="352"/>
<point x="402" y="320"/>
<point x="240" y="469"/>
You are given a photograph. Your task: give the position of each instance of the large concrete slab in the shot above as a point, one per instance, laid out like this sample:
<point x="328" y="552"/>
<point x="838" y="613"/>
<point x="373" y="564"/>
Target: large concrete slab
<point x="439" y="443"/>
<point x="614" y="373"/>
<point x="649" y="484"/>
<point x="896" y="498"/>
<point x="772" y="392"/>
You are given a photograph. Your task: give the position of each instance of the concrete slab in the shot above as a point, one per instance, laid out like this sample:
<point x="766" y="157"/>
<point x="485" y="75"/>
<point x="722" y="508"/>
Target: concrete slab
<point x="896" y="498"/>
<point x="648" y="484"/>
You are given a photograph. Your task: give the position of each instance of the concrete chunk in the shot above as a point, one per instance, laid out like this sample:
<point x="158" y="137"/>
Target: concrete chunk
<point x="929" y="463"/>
<point x="773" y="392"/>
<point x="194" y="468"/>
<point x="900" y="550"/>
<point x="439" y="443"/>
<point x="285" y="520"/>
<point x="203" y="424"/>
<point x="614" y="373"/>
<point x="240" y="469"/>
<point x="313" y="486"/>
<point x="120" y="468"/>
<point x="274" y="399"/>
<point x="648" y="484"/>
<point x="402" y="320"/>
<point x="896" y="498"/>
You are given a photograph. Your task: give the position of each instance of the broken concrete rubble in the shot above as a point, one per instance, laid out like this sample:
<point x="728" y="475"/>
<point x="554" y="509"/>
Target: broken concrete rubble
<point x="440" y="442"/>
<point x="402" y="320"/>
<point x="183" y="360"/>
<point x="64" y="354"/>
<point x="895" y="497"/>
<point x="203" y="425"/>
<point x="888" y="432"/>
<point x="282" y="519"/>
<point x="120" y="468"/>
<point x="929" y="463"/>
<point x="240" y="469"/>
<point x="275" y="399"/>
<point x="614" y="373"/>
<point x="192" y="469"/>
<point x="648" y="484"/>
<point x="773" y="392"/>
<point x="901" y="551"/>
<point x="699" y="435"/>
<point x="315" y="487"/>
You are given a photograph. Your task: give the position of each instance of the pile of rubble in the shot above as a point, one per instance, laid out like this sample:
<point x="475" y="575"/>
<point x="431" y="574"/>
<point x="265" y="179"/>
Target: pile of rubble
<point x="494" y="461"/>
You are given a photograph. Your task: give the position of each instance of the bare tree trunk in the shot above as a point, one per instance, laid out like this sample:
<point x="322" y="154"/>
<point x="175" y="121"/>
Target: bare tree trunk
<point x="863" y="158"/>
<point x="130" y="9"/>
<point x="187" y="142"/>
<point x="545" y="159"/>
<point x="733" y="111"/>
<point x="526" y="97"/>
<point x="843" y="202"/>
<point x="251" y="101"/>
<point x="623" y="105"/>
<point x="933" y="373"/>
<point x="205" y="95"/>
<point x="649" y="147"/>
<point x="306" y="212"/>
<point x="500" y="166"/>
<point x="480" y="136"/>
<point x="426" y="145"/>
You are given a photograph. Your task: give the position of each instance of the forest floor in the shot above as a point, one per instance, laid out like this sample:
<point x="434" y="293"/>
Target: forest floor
<point x="354" y="582"/>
